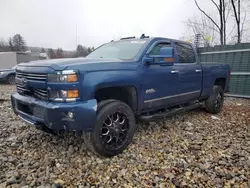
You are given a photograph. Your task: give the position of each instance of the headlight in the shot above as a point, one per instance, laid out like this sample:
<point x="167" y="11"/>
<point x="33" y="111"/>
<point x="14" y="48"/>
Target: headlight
<point x="63" y="77"/>
<point x="2" y="72"/>
<point x="64" y="95"/>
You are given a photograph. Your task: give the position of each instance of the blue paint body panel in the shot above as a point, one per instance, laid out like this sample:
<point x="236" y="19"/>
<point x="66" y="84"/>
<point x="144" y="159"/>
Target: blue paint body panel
<point x="157" y="85"/>
<point x="54" y="115"/>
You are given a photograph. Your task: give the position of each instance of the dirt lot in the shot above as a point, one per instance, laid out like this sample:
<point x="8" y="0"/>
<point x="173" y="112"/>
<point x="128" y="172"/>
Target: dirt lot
<point x="192" y="149"/>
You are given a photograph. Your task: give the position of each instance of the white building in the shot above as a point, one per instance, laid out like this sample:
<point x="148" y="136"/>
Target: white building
<point x="8" y="59"/>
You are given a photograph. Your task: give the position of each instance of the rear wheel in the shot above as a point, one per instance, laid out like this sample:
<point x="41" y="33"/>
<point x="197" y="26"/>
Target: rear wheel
<point x="114" y="129"/>
<point x="215" y="102"/>
<point x="11" y="79"/>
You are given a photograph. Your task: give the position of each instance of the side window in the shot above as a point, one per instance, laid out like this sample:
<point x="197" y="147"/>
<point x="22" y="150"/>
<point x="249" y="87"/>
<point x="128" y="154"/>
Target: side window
<point x="185" y="53"/>
<point x="156" y="49"/>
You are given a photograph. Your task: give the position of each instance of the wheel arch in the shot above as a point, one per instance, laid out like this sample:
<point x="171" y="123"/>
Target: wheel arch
<point x="220" y="82"/>
<point x="127" y="94"/>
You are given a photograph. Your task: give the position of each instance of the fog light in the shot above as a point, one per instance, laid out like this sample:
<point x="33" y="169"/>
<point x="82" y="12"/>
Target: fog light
<point x="72" y="93"/>
<point x="71" y="115"/>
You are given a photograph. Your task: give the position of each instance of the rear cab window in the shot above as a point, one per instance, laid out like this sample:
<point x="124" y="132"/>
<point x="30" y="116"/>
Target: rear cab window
<point x="185" y="52"/>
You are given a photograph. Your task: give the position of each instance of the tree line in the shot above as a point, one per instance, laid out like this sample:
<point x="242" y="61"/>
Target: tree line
<point x="18" y="44"/>
<point x="81" y="51"/>
<point x="15" y="43"/>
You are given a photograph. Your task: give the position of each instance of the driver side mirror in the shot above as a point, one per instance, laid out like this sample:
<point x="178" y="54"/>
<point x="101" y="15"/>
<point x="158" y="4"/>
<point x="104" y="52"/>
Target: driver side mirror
<point x="166" y="57"/>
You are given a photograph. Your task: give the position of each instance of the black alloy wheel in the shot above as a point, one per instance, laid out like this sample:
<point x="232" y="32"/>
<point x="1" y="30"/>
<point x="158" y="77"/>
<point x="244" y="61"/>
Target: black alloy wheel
<point x="215" y="101"/>
<point x="11" y="79"/>
<point x="114" y="129"/>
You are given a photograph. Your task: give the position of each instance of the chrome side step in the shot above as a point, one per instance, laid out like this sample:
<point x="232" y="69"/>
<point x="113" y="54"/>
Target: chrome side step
<point x="169" y="112"/>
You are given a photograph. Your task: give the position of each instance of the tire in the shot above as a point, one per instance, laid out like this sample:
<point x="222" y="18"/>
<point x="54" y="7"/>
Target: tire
<point x="11" y="79"/>
<point x="215" y="102"/>
<point x="103" y="103"/>
<point x="114" y="129"/>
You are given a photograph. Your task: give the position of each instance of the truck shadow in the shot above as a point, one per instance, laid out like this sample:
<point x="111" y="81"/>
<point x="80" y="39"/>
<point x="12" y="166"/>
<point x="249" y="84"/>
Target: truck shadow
<point x="67" y="144"/>
<point x="170" y="121"/>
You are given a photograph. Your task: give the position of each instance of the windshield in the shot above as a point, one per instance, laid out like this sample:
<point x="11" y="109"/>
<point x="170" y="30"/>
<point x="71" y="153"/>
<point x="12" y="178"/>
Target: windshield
<point x="119" y="49"/>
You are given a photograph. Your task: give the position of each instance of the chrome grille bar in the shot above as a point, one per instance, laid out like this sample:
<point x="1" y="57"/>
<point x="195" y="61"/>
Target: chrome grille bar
<point x="29" y="90"/>
<point x="44" y="94"/>
<point x="31" y="76"/>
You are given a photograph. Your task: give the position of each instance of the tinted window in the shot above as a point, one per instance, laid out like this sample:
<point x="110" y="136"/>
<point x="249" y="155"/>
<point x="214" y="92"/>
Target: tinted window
<point x="156" y="49"/>
<point x="185" y="53"/>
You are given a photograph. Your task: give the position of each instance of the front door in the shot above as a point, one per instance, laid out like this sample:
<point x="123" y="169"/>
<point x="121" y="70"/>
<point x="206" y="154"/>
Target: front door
<point x="159" y="82"/>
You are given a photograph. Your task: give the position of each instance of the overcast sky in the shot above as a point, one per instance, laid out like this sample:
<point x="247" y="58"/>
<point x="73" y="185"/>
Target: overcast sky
<point x="62" y="23"/>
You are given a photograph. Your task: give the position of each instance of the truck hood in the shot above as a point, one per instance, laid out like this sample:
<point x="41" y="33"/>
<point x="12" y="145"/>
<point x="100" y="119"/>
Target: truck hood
<point x="81" y="64"/>
<point x="6" y="70"/>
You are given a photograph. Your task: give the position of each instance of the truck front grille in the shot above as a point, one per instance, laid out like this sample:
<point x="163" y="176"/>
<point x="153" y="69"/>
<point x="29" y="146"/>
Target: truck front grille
<point x="21" y="89"/>
<point x="32" y="76"/>
<point x="26" y="89"/>
<point x="41" y="93"/>
<point x="35" y="92"/>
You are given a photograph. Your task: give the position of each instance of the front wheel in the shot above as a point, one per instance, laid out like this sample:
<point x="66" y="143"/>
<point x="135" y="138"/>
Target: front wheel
<point x="215" y="102"/>
<point x="114" y="129"/>
<point x="11" y="79"/>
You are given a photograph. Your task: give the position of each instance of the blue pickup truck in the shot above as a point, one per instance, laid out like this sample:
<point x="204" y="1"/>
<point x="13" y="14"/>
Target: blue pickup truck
<point x="103" y="95"/>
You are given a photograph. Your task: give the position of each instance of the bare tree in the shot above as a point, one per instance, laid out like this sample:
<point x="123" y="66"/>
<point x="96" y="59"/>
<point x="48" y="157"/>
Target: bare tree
<point x="239" y="12"/>
<point x="237" y="18"/>
<point x="11" y="44"/>
<point x="221" y="27"/>
<point x="59" y="53"/>
<point x="202" y="26"/>
<point x="230" y="26"/>
<point x="4" y="47"/>
<point x="224" y="20"/>
<point x="51" y="53"/>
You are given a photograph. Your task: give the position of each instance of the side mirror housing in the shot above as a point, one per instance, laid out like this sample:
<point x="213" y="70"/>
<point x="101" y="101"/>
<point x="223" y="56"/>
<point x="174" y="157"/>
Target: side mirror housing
<point x="167" y="52"/>
<point x="148" y="60"/>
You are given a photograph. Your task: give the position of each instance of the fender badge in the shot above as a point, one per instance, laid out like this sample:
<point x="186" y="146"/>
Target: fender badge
<point x="150" y="91"/>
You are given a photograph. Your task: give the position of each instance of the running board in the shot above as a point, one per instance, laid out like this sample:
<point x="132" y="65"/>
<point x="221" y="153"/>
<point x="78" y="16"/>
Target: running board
<point x="169" y="113"/>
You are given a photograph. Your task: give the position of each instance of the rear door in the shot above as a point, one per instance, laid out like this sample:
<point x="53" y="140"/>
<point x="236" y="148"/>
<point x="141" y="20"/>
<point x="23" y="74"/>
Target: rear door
<point x="190" y="72"/>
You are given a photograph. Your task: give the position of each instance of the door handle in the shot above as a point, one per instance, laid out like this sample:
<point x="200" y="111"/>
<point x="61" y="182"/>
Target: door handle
<point x="198" y="70"/>
<point x="174" y="71"/>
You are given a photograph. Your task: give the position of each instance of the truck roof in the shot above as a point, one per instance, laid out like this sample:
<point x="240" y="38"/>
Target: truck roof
<point x="151" y="39"/>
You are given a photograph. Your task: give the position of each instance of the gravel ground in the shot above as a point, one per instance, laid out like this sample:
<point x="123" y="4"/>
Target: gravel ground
<point x="193" y="149"/>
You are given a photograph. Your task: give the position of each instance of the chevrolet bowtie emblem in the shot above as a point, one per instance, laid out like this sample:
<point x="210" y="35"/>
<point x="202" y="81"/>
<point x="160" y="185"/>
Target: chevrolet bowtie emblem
<point x="23" y="82"/>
